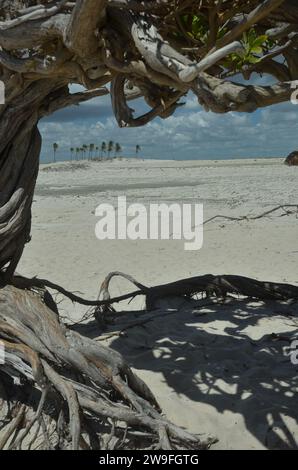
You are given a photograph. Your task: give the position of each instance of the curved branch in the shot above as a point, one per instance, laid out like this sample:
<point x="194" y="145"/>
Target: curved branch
<point x="60" y="100"/>
<point x="260" y="12"/>
<point x="192" y="71"/>
<point x="36" y="14"/>
<point x="221" y="96"/>
<point x="124" y="114"/>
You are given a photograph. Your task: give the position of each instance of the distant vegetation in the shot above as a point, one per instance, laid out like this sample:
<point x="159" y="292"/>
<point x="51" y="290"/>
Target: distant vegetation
<point x="104" y="151"/>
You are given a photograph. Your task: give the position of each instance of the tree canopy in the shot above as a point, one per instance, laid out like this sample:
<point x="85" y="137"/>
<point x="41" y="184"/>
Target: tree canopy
<point x="158" y="50"/>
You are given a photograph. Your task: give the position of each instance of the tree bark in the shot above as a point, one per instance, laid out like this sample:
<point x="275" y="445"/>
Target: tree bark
<point x="17" y="189"/>
<point x="20" y="145"/>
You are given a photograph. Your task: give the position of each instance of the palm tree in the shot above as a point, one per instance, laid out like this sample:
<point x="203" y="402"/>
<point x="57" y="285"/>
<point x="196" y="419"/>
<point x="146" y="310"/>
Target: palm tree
<point x="84" y="150"/>
<point x="71" y="153"/>
<point x="55" y="148"/>
<point x="97" y="152"/>
<point x="103" y="148"/>
<point x="91" y="150"/>
<point x="77" y="152"/>
<point x="118" y="149"/>
<point x="138" y="149"/>
<point x="110" y="147"/>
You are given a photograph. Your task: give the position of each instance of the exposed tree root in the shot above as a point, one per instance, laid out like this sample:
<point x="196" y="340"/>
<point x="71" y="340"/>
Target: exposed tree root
<point x="93" y="380"/>
<point x="208" y="285"/>
<point x="96" y="392"/>
<point x="221" y="285"/>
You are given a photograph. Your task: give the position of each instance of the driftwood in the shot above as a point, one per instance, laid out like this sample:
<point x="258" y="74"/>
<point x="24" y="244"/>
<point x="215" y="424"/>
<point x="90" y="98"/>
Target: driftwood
<point x="143" y="49"/>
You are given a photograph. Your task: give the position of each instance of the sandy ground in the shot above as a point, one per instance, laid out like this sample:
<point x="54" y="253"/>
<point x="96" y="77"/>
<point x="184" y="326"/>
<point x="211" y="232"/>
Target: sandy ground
<point x="215" y="369"/>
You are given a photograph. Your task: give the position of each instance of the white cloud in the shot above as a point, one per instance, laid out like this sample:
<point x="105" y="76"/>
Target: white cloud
<point x="191" y="133"/>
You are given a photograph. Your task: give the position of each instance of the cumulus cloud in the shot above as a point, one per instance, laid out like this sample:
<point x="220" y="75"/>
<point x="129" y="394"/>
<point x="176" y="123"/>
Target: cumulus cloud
<point x="190" y="134"/>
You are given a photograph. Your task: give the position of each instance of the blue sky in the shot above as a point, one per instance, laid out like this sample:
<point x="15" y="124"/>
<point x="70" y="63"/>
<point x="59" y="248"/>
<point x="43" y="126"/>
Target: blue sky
<point x="190" y="134"/>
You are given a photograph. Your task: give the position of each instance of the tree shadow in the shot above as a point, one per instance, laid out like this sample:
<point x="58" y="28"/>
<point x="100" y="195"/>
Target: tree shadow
<point x="230" y="356"/>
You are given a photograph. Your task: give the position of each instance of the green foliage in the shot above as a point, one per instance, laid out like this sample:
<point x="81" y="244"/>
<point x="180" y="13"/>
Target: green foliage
<point x="254" y="47"/>
<point x="197" y="27"/>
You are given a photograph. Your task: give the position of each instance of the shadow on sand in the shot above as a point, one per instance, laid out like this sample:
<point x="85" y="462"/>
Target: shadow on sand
<point x="230" y="356"/>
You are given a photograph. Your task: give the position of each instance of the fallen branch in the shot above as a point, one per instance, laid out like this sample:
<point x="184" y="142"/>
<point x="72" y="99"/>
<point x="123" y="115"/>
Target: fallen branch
<point x="208" y="284"/>
<point x="287" y="208"/>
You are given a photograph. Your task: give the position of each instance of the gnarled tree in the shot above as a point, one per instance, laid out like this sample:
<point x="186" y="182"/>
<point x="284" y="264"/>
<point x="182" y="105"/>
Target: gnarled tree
<point x="158" y="50"/>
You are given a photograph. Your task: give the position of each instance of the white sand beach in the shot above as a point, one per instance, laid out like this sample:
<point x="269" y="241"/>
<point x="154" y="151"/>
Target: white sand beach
<point x="217" y="369"/>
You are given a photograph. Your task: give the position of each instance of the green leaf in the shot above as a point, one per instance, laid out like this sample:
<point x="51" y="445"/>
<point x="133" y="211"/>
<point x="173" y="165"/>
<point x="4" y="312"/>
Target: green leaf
<point x="253" y="59"/>
<point x="256" y="50"/>
<point x="259" y="41"/>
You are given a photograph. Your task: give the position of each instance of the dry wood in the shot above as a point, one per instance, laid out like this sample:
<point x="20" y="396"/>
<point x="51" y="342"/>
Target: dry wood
<point x="88" y="376"/>
<point x="91" y="378"/>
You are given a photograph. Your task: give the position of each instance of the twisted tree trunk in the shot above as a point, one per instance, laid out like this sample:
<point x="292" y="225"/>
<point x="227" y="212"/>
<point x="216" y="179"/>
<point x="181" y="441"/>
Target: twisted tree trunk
<point x="20" y="145"/>
<point x="16" y="198"/>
